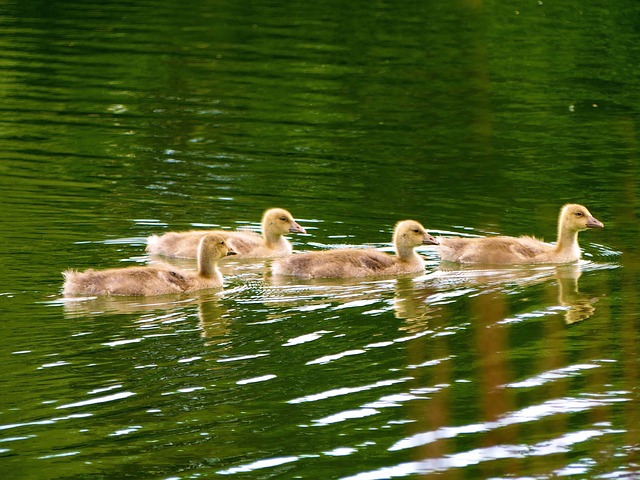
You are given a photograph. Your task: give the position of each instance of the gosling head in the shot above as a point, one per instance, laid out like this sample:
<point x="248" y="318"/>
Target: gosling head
<point x="411" y="233"/>
<point x="216" y="246"/>
<point x="577" y="218"/>
<point x="278" y="220"/>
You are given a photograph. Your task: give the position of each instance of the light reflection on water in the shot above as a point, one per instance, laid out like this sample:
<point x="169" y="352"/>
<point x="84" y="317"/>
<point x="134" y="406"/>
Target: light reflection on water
<point x="124" y="120"/>
<point x="412" y="330"/>
<point x="417" y="300"/>
<point x="474" y="457"/>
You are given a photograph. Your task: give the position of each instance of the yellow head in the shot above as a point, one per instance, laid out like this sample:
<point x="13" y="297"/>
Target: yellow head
<point x="215" y="247"/>
<point x="411" y="233"/>
<point x="576" y="218"/>
<point x="279" y="221"/>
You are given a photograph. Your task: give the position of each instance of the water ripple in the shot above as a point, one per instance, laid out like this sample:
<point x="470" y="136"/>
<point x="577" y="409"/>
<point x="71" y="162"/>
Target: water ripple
<point x="258" y="465"/>
<point x="525" y="415"/>
<point x="93" y="401"/>
<point x="346" y="415"/>
<point x="336" y="356"/>
<point x="551" y="376"/>
<point x="346" y="391"/>
<point x="50" y="421"/>
<point x="560" y="444"/>
<point x="309" y="337"/>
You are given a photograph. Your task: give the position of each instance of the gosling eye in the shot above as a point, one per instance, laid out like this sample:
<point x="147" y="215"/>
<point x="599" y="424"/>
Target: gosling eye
<point x="283" y="219"/>
<point x="415" y="230"/>
<point x="579" y="214"/>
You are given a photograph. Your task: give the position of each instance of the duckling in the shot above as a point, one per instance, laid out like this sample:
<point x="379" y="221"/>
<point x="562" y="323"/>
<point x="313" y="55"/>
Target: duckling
<point x="276" y="222"/>
<point x="573" y="218"/>
<point x="347" y="263"/>
<point x="154" y="279"/>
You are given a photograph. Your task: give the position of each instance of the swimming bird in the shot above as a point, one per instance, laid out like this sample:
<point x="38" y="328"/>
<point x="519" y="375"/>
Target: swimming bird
<point x="573" y="218"/>
<point x="153" y="279"/>
<point x="348" y="262"/>
<point x="276" y="222"/>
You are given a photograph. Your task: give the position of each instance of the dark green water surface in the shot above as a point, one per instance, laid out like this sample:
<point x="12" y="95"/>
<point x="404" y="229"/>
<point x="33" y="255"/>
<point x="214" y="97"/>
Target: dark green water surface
<point x="121" y="119"/>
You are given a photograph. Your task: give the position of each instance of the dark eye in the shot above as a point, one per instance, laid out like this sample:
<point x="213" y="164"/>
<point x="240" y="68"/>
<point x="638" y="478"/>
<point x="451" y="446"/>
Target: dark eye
<point x="283" y="219"/>
<point x="415" y="230"/>
<point x="579" y="214"/>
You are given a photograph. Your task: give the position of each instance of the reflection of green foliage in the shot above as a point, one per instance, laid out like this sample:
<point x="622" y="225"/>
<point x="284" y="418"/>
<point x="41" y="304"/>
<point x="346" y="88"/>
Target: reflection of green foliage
<point x="126" y="118"/>
<point x="378" y="110"/>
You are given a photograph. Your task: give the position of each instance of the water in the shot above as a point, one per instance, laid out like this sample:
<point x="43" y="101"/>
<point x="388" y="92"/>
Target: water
<point x="124" y="119"/>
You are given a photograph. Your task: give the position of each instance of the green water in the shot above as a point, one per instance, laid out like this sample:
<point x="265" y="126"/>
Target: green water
<point x="123" y="119"/>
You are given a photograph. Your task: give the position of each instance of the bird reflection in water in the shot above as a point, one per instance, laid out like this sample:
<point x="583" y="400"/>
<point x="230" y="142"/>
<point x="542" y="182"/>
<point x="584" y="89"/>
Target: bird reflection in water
<point x="464" y="340"/>
<point x="416" y="301"/>
<point x="579" y="305"/>
<point x="159" y="312"/>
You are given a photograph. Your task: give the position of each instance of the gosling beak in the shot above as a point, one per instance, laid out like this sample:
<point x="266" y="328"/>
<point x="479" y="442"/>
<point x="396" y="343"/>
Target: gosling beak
<point x="231" y="252"/>
<point x="295" y="228"/>
<point x="429" y="240"/>
<point x="594" y="223"/>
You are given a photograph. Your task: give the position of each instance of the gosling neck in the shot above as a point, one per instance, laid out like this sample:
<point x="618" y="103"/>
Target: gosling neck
<point x="407" y="254"/>
<point x="272" y="239"/>
<point x="568" y="242"/>
<point x="207" y="266"/>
